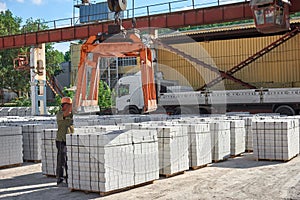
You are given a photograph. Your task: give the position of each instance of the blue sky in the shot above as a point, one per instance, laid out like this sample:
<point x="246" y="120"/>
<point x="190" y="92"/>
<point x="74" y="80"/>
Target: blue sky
<point x="50" y="10"/>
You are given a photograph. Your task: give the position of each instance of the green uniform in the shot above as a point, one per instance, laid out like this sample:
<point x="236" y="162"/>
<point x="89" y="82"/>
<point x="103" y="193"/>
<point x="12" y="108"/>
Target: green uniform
<point x="64" y="125"/>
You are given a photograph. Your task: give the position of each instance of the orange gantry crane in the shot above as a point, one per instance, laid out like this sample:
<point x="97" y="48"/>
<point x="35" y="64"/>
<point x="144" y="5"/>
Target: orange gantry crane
<point x="117" y="43"/>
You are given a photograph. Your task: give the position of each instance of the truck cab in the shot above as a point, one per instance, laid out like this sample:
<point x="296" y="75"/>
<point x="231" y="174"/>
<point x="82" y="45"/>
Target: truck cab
<point x="129" y="94"/>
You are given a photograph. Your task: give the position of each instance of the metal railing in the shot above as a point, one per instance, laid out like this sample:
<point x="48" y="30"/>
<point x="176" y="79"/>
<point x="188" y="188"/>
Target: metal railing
<point x="159" y="8"/>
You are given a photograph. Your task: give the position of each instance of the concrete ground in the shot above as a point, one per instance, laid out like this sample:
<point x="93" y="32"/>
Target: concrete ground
<point x="237" y="178"/>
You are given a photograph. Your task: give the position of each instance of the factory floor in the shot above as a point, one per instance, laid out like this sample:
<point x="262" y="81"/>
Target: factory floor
<point x="236" y="178"/>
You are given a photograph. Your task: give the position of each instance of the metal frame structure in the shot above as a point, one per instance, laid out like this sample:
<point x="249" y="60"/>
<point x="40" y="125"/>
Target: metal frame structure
<point x="193" y="17"/>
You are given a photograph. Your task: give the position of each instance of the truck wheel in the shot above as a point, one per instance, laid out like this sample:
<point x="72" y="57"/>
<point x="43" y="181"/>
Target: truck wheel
<point x="134" y="111"/>
<point x="177" y="111"/>
<point x="285" y="110"/>
<point x="182" y="111"/>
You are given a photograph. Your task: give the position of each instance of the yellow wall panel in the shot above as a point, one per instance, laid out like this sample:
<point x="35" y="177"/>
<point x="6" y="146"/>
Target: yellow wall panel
<point x="277" y="68"/>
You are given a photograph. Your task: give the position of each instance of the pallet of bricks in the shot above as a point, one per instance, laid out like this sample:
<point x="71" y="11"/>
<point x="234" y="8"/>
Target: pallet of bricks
<point x="199" y="141"/>
<point x="172" y="146"/>
<point x="32" y="141"/>
<point x="112" y="161"/>
<point x="49" y="149"/>
<point x="32" y="128"/>
<point x="275" y="139"/>
<point x="237" y="137"/>
<point x="11" y="146"/>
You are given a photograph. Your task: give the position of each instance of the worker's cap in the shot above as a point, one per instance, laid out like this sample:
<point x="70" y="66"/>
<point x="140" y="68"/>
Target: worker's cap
<point x="66" y="100"/>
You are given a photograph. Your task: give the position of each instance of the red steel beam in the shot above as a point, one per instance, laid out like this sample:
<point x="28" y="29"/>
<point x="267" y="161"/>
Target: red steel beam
<point x="217" y="14"/>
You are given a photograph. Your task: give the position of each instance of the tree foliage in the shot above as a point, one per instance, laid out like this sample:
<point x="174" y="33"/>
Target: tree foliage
<point x="11" y="79"/>
<point x="105" y="96"/>
<point x="68" y="56"/>
<point x="53" y="60"/>
<point x="19" y="81"/>
<point x="9" y="24"/>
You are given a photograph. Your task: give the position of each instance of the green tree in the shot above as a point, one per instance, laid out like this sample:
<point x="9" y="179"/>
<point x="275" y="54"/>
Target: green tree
<point x="68" y="56"/>
<point x="19" y="81"/>
<point x="9" y="24"/>
<point x="11" y="79"/>
<point x="53" y="60"/>
<point x="105" y="96"/>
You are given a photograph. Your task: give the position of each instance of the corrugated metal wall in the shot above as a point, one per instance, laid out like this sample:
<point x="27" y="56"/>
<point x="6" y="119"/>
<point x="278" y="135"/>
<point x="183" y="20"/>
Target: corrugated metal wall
<point x="278" y="68"/>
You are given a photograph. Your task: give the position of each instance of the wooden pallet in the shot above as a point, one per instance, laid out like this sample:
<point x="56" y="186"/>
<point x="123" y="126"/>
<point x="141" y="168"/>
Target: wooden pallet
<point x="102" y="194"/>
<point x="50" y="175"/>
<point x="218" y="161"/>
<point x="238" y="155"/>
<point x="10" y="166"/>
<point x="273" y="160"/>
<point x="198" y="167"/>
<point x="33" y="161"/>
<point x="171" y="175"/>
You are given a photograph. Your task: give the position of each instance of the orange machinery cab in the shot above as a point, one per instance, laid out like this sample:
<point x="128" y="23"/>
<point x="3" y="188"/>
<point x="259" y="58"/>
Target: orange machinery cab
<point x="271" y="16"/>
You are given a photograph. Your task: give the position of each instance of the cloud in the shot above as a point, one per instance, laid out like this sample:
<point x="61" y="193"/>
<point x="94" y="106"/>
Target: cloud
<point x="2" y="6"/>
<point x="20" y="1"/>
<point x="37" y="2"/>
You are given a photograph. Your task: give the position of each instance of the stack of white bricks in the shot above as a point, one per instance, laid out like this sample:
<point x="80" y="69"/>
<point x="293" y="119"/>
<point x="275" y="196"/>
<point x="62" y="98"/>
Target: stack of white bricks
<point x="15" y="111"/>
<point x="173" y="146"/>
<point x="220" y="139"/>
<point x="275" y="139"/>
<point x="297" y="117"/>
<point x="10" y="145"/>
<point x="249" y="135"/>
<point x="107" y="161"/>
<point x="199" y="141"/>
<point x="199" y="144"/>
<point x="237" y="137"/>
<point x="49" y="152"/>
<point x="32" y="140"/>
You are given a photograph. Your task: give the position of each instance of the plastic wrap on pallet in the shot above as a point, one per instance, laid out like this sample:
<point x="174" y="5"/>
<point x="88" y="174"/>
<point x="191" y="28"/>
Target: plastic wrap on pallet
<point x="11" y="146"/>
<point x="275" y="139"/>
<point x="112" y="160"/>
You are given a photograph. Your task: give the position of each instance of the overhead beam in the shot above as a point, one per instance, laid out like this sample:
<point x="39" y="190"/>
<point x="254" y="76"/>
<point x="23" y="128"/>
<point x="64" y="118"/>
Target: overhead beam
<point x="211" y="15"/>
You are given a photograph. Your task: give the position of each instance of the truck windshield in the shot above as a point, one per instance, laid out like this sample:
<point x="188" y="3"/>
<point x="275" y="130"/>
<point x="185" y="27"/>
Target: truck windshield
<point x="123" y="89"/>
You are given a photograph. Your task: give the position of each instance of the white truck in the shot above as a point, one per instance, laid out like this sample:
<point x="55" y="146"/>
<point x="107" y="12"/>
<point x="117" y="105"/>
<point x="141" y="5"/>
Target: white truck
<point x="174" y="99"/>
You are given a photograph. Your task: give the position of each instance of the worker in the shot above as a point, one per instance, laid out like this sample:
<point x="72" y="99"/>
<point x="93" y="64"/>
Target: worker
<point x="64" y="119"/>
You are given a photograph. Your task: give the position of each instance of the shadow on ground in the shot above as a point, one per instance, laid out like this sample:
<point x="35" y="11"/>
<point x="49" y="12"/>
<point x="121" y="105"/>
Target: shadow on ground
<point x="246" y="160"/>
<point x="37" y="186"/>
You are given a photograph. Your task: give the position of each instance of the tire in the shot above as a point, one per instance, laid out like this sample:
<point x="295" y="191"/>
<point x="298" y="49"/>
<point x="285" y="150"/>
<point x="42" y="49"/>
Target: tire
<point x="134" y="111"/>
<point x="285" y="110"/>
<point x="183" y="111"/>
<point x="177" y="111"/>
<point x="203" y="111"/>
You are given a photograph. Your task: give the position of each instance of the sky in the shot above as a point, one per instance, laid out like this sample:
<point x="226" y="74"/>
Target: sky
<point x="50" y="10"/>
